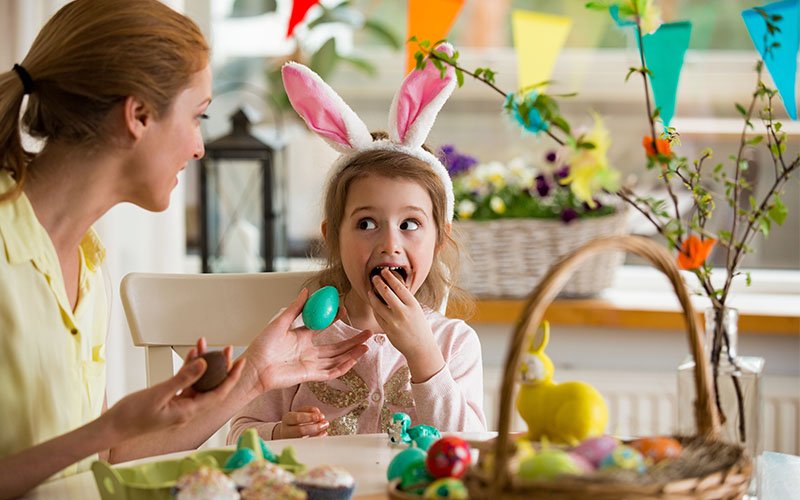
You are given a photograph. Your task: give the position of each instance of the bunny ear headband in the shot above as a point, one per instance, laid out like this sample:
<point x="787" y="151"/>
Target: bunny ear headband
<point x="414" y="108"/>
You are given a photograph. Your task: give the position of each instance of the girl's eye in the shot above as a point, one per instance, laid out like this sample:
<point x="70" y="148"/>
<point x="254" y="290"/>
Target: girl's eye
<point x="409" y="225"/>
<point x="366" y="224"/>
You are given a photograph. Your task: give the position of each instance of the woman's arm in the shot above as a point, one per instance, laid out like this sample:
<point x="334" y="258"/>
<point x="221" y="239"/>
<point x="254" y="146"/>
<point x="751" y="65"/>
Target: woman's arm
<point x="141" y="412"/>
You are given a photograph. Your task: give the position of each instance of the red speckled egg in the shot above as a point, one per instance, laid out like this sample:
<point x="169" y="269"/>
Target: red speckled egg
<point x="449" y="457"/>
<point x="657" y="448"/>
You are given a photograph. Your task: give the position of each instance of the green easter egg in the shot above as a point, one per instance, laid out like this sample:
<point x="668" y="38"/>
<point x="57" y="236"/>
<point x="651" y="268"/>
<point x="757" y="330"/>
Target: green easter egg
<point x="321" y="308"/>
<point x="240" y="458"/>
<point x="446" y="487"/>
<point x="548" y="464"/>
<point x="403" y="460"/>
<point x="416" y="478"/>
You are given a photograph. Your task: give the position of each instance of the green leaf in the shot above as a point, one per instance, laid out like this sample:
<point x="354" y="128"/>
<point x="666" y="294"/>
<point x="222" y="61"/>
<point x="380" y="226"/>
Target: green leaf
<point x="755" y="140"/>
<point x="741" y="109"/>
<point x="324" y="59"/>
<point x="360" y="64"/>
<point x="764" y="225"/>
<point x="748" y="279"/>
<point x="460" y="78"/>
<point x="778" y="211"/>
<point x="383" y="33"/>
<point x="250" y="8"/>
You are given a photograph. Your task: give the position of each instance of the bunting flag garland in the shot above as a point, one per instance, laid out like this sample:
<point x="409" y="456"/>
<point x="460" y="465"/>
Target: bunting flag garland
<point x="664" y="51"/>
<point x="781" y="61"/>
<point x="299" y="10"/>
<point x="538" y="39"/>
<point x="429" y="20"/>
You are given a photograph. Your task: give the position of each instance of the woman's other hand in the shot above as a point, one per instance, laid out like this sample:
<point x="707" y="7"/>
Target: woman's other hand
<point x="281" y="357"/>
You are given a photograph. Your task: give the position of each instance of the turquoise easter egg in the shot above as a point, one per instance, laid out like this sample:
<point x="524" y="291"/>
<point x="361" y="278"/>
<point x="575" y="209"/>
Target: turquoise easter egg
<point x="321" y="308"/>
<point x="403" y="460"/>
<point x="240" y="458"/>
<point x="416" y="478"/>
<point x="623" y="457"/>
<point x="446" y="487"/>
<point x="547" y="464"/>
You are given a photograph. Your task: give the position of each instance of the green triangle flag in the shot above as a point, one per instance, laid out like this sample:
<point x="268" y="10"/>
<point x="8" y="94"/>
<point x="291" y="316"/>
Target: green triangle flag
<point x="781" y="61"/>
<point x="663" y="53"/>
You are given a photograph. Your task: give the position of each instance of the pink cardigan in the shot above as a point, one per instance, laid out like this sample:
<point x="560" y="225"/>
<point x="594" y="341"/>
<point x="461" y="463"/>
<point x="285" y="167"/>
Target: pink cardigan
<point x="363" y="400"/>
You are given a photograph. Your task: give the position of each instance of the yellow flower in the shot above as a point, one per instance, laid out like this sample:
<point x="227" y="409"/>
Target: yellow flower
<point x="589" y="168"/>
<point x="498" y="205"/>
<point x="466" y="208"/>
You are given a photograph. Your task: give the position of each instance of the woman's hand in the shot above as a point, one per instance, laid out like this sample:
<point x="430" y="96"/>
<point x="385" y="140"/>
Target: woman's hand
<point x="307" y="421"/>
<point x="172" y="402"/>
<point x="281" y="357"/>
<point x="406" y="326"/>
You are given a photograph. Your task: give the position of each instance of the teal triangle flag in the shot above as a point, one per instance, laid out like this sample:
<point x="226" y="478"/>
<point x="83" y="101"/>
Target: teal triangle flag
<point x="781" y="61"/>
<point x="663" y="53"/>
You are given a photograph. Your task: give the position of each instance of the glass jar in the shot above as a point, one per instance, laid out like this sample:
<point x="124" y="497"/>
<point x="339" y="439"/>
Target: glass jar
<point x="739" y="425"/>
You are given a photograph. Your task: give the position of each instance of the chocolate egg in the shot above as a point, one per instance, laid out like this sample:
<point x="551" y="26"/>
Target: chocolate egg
<point x="321" y="308"/>
<point x="657" y="448"/>
<point x="216" y="371"/>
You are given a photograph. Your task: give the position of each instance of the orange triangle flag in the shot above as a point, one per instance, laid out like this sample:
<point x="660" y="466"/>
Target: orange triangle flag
<point x="429" y="20"/>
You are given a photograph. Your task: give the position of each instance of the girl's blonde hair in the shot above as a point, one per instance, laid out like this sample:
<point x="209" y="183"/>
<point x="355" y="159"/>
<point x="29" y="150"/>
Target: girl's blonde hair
<point x="393" y="165"/>
<point x="91" y="55"/>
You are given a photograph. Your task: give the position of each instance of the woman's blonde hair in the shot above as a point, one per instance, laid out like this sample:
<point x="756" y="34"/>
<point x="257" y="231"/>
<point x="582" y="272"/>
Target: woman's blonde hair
<point x="393" y="165"/>
<point x="91" y="55"/>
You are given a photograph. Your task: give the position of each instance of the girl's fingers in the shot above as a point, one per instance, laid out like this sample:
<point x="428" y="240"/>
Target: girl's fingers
<point x="299" y="418"/>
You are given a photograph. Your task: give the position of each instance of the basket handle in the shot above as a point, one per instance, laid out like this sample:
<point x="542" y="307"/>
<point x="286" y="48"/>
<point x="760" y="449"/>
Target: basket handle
<point x="706" y="416"/>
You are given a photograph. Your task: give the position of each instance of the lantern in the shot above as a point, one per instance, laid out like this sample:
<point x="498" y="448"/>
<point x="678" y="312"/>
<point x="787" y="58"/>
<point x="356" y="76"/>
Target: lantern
<point x="242" y="226"/>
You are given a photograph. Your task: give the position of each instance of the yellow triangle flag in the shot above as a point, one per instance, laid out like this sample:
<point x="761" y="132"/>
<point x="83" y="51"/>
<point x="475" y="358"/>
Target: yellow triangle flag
<point x="429" y="20"/>
<point x="538" y="39"/>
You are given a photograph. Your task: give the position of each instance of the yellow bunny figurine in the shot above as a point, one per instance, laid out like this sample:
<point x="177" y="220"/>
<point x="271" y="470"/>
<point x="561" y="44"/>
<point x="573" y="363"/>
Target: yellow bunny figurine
<point x="563" y="413"/>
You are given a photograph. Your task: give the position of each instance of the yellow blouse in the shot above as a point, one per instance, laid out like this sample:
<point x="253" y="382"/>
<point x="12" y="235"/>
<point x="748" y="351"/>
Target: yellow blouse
<point x="52" y="359"/>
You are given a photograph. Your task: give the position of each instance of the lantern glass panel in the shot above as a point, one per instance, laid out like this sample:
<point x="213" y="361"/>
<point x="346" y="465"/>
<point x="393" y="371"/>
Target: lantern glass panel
<point x="235" y="215"/>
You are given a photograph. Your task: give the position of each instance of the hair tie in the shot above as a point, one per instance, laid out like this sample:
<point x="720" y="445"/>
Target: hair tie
<point x="27" y="81"/>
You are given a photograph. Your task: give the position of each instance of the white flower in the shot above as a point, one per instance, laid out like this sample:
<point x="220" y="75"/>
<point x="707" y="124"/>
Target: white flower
<point x="497" y="205"/>
<point x="466" y="208"/>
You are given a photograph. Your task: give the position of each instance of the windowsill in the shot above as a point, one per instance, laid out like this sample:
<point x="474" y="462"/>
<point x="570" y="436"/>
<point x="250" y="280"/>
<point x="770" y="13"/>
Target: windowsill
<point x="642" y="299"/>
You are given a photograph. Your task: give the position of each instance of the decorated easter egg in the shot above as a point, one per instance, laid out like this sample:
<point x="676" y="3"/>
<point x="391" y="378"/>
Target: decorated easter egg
<point x="449" y="457"/>
<point x="403" y="460"/>
<point x="415" y="478"/>
<point x="657" y="448"/>
<point x="240" y="458"/>
<point x="425" y="441"/>
<point x="216" y="371"/>
<point x="623" y="457"/>
<point x="584" y="465"/>
<point x="321" y="307"/>
<point x="446" y="487"/>
<point x="547" y="464"/>
<point x="596" y="449"/>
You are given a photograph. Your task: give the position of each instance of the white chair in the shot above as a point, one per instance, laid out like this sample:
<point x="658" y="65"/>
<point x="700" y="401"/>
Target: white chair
<point x="169" y="312"/>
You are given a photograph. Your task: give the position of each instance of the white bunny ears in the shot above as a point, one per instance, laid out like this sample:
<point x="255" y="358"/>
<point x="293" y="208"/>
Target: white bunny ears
<point x="414" y="108"/>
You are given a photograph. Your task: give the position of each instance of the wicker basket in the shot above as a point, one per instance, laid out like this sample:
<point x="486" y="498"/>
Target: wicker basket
<point x="492" y="478"/>
<point x="508" y="257"/>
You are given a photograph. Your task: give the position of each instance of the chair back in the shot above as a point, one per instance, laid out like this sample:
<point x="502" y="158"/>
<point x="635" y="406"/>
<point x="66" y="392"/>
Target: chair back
<point x="169" y="312"/>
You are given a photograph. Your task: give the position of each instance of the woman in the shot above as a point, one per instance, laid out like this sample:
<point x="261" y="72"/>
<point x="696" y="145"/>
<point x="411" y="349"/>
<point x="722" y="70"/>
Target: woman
<point x="116" y="90"/>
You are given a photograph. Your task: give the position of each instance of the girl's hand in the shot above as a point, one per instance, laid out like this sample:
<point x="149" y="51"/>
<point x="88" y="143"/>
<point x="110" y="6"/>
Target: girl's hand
<point x="281" y="357"/>
<point x="405" y="324"/>
<point x="172" y="402"/>
<point x="307" y="421"/>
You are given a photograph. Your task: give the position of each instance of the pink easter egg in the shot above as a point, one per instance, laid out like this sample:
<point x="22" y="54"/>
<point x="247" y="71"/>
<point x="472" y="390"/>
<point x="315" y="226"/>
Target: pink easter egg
<point x="596" y="449"/>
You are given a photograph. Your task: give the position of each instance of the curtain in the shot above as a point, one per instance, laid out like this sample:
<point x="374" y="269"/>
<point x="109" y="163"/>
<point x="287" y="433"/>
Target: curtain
<point x="136" y="240"/>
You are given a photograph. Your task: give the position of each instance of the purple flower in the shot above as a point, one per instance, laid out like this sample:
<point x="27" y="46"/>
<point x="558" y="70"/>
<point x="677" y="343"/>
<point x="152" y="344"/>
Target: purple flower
<point x="455" y="162"/>
<point x="597" y="205"/>
<point x="568" y="215"/>
<point x="561" y="173"/>
<point x="542" y="185"/>
<point x="551" y="156"/>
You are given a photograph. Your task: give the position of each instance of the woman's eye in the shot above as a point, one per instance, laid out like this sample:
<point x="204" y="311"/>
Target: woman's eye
<point x="366" y="224"/>
<point x="204" y="116"/>
<point x="409" y="225"/>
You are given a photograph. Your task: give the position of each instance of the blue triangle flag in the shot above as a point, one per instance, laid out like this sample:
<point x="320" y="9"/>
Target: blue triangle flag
<point x="664" y="51"/>
<point x="781" y="61"/>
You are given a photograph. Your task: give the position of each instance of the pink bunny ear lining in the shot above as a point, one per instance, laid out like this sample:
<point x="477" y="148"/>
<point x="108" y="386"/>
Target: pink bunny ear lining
<point x="418" y="90"/>
<point x="311" y="103"/>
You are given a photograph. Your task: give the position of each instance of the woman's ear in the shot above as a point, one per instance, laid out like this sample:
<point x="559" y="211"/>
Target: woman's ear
<point x="136" y="115"/>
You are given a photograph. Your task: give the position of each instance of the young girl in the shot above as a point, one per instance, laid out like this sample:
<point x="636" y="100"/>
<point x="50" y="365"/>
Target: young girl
<point x="387" y="219"/>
